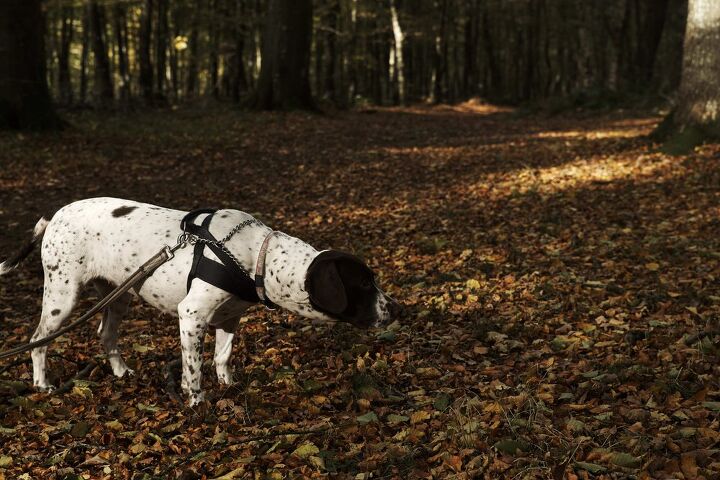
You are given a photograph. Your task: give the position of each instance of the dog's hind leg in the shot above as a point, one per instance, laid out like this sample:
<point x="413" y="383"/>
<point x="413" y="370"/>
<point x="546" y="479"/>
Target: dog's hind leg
<point x="58" y="302"/>
<point x="108" y="330"/>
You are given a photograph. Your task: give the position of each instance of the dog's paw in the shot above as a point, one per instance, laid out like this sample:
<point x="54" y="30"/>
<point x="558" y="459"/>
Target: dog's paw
<point x="125" y="372"/>
<point x="45" y="388"/>
<point x="119" y="368"/>
<point x="195" y="398"/>
<point x="225" y="376"/>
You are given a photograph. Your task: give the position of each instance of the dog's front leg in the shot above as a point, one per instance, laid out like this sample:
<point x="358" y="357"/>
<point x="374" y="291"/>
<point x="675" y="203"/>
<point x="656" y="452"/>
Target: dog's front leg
<point x="224" y="335"/>
<point x="193" y="323"/>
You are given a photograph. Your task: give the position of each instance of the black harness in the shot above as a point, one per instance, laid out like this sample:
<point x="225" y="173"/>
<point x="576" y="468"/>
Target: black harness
<point x="228" y="275"/>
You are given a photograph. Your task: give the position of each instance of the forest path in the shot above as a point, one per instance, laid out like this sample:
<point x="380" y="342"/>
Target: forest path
<point x="560" y="272"/>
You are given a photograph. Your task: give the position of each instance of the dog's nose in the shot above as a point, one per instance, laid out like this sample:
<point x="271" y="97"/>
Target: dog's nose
<point x="395" y="308"/>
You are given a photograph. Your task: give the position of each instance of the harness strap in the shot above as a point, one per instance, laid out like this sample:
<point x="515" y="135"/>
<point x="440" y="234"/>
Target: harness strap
<point x="260" y="272"/>
<point x="227" y="276"/>
<point x="190" y="227"/>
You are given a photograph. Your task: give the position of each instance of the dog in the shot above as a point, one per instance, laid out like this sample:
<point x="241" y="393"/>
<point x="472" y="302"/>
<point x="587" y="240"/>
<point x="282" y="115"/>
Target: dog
<point x="100" y="241"/>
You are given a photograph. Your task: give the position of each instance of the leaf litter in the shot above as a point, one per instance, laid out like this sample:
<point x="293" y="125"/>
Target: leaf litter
<point x="560" y="275"/>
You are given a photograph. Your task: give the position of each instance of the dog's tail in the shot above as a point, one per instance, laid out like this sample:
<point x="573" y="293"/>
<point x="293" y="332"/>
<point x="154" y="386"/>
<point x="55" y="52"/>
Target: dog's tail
<point x="12" y="262"/>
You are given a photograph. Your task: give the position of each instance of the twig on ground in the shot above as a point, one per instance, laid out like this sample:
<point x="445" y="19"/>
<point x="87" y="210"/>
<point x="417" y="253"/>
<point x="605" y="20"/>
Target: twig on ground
<point x="256" y="438"/>
<point x="84" y="373"/>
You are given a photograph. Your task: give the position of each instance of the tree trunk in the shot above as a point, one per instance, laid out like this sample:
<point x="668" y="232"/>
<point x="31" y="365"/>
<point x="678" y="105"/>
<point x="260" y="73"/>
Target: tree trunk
<point x="398" y="37"/>
<point x="284" y="81"/>
<point x="119" y="25"/>
<point x="470" y="73"/>
<point x="699" y="95"/>
<point x="331" y="73"/>
<point x="697" y="114"/>
<point x="24" y="96"/>
<point x="66" y="36"/>
<point x="161" y="42"/>
<point x="85" y="54"/>
<point x="238" y="84"/>
<point x="146" y="69"/>
<point x="440" y="57"/>
<point x="103" y="79"/>
<point x="650" y="33"/>
<point x="214" y="86"/>
<point x="191" y="82"/>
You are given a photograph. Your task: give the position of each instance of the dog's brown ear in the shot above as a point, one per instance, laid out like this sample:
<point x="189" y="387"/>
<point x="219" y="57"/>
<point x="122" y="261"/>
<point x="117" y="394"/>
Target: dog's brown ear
<point x="324" y="284"/>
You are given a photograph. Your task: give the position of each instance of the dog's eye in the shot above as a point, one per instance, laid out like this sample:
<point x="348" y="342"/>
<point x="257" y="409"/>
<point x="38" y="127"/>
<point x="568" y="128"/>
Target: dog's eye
<point x="366" y="283"/>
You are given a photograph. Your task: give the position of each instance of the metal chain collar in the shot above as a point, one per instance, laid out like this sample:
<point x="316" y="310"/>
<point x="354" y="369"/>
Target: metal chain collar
<point x="186" y="237"/>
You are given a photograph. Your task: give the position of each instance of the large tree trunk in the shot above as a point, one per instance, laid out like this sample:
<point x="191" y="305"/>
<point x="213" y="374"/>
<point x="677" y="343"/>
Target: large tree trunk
<point x="699" y="96"/>
<point x="146" y="70"/>
<point x="697" y="114"/>
<point x="284" y="81"/>
<point x="103" y="79"/>
<point x="24" y="97"/>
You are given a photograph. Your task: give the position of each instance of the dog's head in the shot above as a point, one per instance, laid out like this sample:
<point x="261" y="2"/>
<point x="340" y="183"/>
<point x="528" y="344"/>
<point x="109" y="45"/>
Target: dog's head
<point x="342" y="287"/>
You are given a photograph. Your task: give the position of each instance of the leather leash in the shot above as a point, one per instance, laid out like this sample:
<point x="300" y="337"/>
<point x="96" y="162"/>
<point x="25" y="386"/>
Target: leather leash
<point x="145" y="270"/>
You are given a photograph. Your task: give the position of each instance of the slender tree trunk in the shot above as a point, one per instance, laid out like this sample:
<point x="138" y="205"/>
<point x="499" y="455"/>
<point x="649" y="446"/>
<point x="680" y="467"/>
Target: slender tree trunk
<point x="103" y="79"/>
<point x="191" y="83"/>
<point x="24" y="96"/>
<point x="331" y="82"/>
<point x="85" y="54"/>
<point x="214" y="87"/>
<point x="440" y="57"/>
<point x="119" y="25"/>
<point x="654" y="15"/>
<point x="239" y="79"/>
<point x="470" y="73"/>
<point x="284" y="81"/>
<point x="66" y="36"/>
<point x="398" y="38"/>
<point x="146" y="69"/>
<point x="699" y="95"/>
<point x="161" y="43"/>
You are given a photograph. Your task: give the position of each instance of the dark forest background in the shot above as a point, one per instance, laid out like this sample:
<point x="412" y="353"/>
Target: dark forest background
<point x="385" y="52"/>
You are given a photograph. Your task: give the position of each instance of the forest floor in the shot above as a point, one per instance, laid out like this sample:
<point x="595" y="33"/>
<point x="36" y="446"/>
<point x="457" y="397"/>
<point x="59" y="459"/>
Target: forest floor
<point x="562" y="279"/>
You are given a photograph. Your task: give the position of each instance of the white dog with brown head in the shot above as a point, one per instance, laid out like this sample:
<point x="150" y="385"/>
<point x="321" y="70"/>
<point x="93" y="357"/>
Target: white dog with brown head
<point x="100" y="241"/>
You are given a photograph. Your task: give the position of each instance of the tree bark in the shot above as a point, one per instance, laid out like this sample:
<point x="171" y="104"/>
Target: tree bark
<point x="85" y="54"/>
<point x="24" y="96"/>
<point x="214" y="86"/>
<point x="191" y="82"/>
<point x="103" y="79"/>
<point x="119" y="25"/>
<point x="439" y="93"/>
<point x="399" y="68"/>
<point x="651" y="30"/>
<point x="284" y="81"/>
<point x="66" y="36"/>
<point x="699" y="95"/>
<point x="161" y="43"/>
<point x="146" y="69"/>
